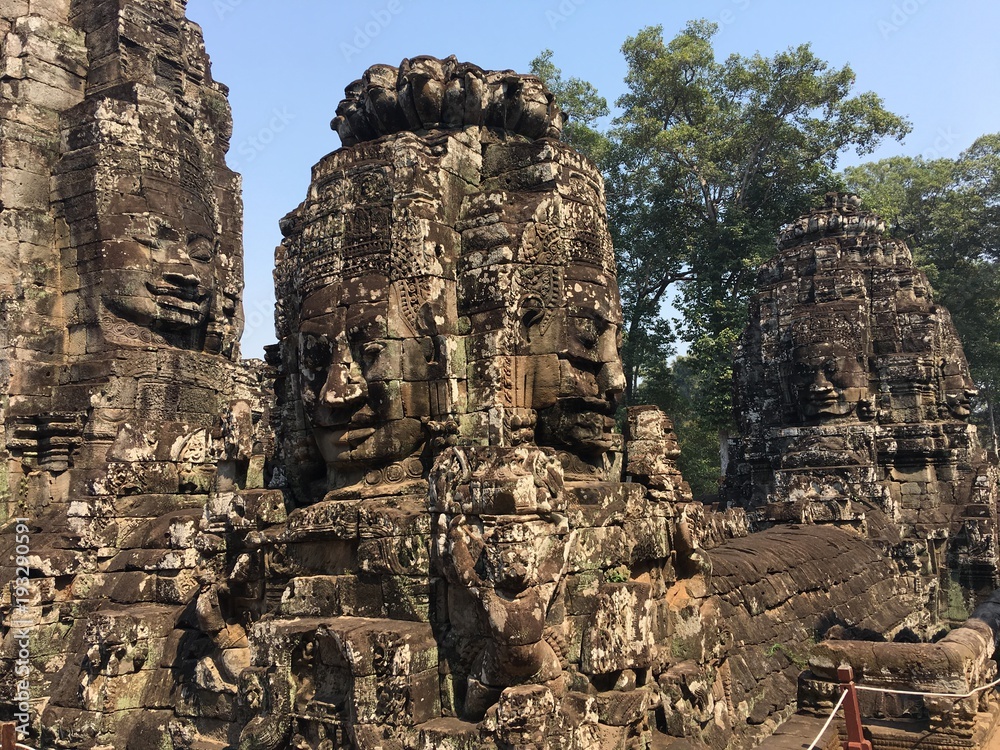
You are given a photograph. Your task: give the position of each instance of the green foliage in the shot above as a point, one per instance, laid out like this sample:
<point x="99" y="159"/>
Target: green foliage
<point x="948" y="212"/>
<point x="799" y="660"/>
<point x="707" y="160"/>
<point x="699" y="460"/>
<point x="578" y="99"/>
<point x="621" y="574"/>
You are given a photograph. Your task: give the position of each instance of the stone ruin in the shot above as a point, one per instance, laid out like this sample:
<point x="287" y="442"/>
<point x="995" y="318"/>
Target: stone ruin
<point x="417" y="525"/>
<point x="127" y="412"/>
<point x="853" y="395"/>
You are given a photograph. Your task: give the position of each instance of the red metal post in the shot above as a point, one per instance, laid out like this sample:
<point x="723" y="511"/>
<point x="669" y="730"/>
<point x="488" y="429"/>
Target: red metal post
<point x="8" y="735"/>
<point x="852" y="712"/>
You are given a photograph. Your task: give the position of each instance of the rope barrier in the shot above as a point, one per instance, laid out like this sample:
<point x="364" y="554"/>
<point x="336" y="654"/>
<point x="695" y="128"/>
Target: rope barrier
<point x="21" y="744"/>
<point x="829" y="721"/>
<point x="846" y="689"/>
<point x="929" y="695"/>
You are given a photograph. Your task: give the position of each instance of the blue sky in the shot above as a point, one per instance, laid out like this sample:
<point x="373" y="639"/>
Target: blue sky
<point x="287" y="64"/>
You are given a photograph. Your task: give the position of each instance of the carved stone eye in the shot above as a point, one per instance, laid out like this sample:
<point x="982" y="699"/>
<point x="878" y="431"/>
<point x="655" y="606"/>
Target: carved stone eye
<point x="530" y="318"/>
<point x="150" y="242"/>
<point x="315" y="353"/>
<point x="201" y="249"/>
<point x="167" y="234"/>
<point x="370" y="352"/>
<point x="588" y="333"/>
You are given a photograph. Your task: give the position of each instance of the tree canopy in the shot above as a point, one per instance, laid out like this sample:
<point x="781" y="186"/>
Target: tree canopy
<point x="710" y="158"/>
<point x="578" y="99"/>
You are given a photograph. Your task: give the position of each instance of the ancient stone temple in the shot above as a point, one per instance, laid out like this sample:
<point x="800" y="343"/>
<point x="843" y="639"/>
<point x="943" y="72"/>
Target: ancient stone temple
<point x="853" y="399"/>
<point x="127" y="412"/>
<point x="464" y="564"/>
<point x="418" y="525"/>
<point x="448" y="377"/>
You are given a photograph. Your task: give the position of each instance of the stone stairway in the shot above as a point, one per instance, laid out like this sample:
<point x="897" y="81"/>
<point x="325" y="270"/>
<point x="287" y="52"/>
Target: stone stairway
<point x="800" y="730"/>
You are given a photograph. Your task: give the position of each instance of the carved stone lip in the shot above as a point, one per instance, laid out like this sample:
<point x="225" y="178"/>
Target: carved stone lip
<point x="824" y="401"/>
<point x="196" y="294"/>
<point x="352" y="437"/>
<point x="835" y="404"/>
<point x="587" y="404"/>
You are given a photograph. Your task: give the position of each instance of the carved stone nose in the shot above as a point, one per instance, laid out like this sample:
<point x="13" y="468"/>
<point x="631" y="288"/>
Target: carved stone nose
<point x="342" y="388"/>
<point x="518" y="571"/>
<point x="820" y="383"/>
<point x="611" y="380"/>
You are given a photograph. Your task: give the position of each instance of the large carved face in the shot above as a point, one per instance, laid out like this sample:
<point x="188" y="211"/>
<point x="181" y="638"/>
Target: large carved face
<point x="369" y="395"/>
<point x="569" y="311"/>
<point x="828" y="380"/>
<point x="959" y="388"/>
<point x="162" y="265"/>
<point x="578" y="413"/>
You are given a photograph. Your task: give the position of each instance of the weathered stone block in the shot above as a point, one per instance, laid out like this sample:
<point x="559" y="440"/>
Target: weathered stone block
<point x="618" y="634"/>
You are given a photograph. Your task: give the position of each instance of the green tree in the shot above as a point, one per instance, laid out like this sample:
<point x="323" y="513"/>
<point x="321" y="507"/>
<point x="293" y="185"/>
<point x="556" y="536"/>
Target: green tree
<point x="948" y="212"/>
<point x="710" y="159"/>
<point x="672" y="385"/>
<point x="703" y="163"/>
<point x="707" y="160"/>
<point x="580" y="100"/>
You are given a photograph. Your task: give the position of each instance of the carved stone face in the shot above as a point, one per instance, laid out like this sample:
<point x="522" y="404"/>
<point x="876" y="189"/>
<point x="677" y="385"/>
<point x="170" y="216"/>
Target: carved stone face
<point x="162" y="270"/>
<point x="509" y="552"/>
<point x="828" y="380"/>
<point x="368" y="396"/>
<point x="959" y="388"/>
<point x="591" y="381"/>
<point x="521" y="558"/>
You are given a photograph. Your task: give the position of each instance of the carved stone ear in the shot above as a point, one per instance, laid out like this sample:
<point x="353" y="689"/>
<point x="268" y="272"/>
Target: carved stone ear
<point x="530" y="315"/>
<point x="426" y="324"/>
<point x="531" y="318"/>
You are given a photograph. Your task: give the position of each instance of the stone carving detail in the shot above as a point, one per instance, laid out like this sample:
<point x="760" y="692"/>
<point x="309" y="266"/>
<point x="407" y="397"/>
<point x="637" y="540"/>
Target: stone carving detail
<point x="473" y="295"/>
<point x="415" y="525"/>
<point x="853" y="401"/>
<point x="448" y="377"/>
<point x="503" y="535"/>
<point x="131" y="416"/>
<point x="427" y="94"/>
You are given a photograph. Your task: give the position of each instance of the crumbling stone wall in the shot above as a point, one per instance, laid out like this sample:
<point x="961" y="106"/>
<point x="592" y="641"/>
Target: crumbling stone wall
<point x="448" y="368"/>
<point x="743" y="630"/>
<point x="44" y="71"/>
<point x="449" y="371"/>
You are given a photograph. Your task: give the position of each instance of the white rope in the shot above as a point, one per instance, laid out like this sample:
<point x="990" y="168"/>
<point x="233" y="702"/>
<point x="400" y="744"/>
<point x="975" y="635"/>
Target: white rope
<point x="21" y="744"/>
<point x="930" y="695"/>
<point x="829" y="721"/>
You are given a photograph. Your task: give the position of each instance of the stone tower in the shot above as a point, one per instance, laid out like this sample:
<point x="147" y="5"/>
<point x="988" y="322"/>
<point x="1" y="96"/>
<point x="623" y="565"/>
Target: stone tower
<point x="127" y="412"/>
<point x="852" y="395"/>
<point x="448" y="375"/>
